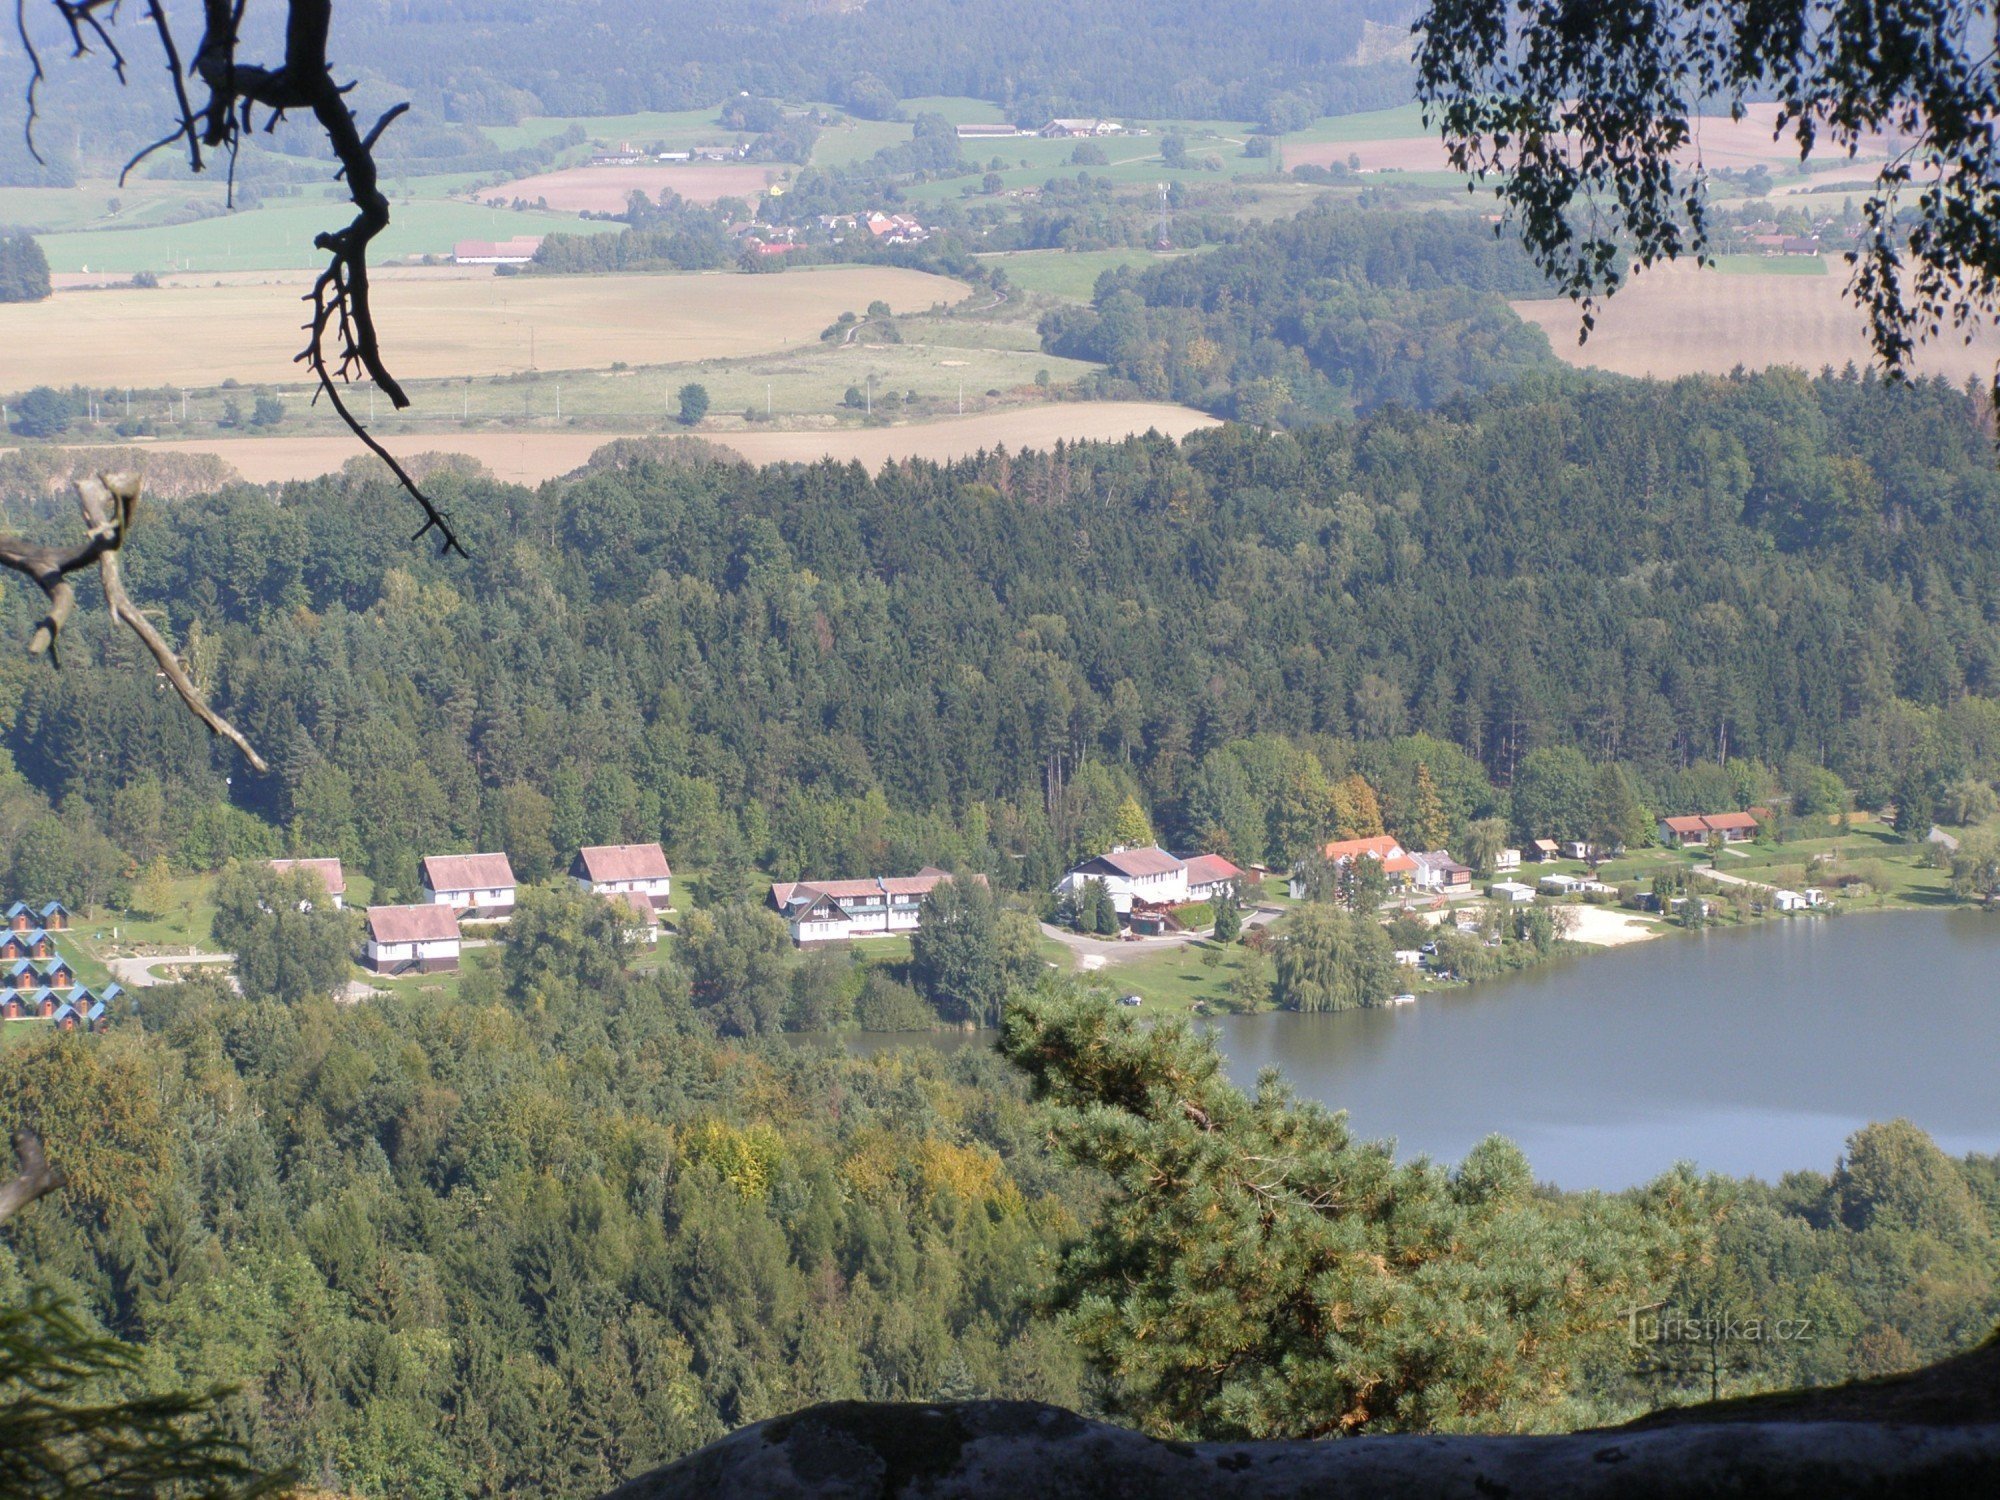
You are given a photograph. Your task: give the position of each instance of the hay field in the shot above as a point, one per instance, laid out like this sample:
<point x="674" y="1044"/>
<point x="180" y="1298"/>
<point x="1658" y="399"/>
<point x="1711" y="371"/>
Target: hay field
<point x="531" y="457"/>
<point x="1677" y="320"/>
<point x="605" y="189"/>
<point x="442" y="328"/>
<point x="1721" y="142"/>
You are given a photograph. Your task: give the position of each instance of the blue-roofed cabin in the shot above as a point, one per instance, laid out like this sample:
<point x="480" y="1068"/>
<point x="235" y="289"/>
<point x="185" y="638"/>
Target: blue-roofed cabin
<point x="94" y="1017"/>
<point x="55" y="917"/>
<point x="45" y="1003"/>
<point x="55" y="973"/>
<point x="34" y="943"/>
<point x="66" y="1018"/>
<point x="110" y="993"/>
<point x="13" y="1005"/>
<point x="21" y="917"/>
<point x="24" y="974"/>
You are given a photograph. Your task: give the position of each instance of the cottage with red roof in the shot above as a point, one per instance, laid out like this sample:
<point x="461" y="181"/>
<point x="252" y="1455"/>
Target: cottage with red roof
<point x="1398" y="865"/>
<point x="328" y="870"/>
<point x="472" y="885"/>
<point x="1693" y="830"/>
<point x="411" y="939"/>
<point x="621" y="869"/>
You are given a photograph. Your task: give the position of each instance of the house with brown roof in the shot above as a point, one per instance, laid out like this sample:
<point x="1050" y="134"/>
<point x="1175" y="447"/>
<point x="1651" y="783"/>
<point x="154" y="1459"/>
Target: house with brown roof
<point x="1207" y="874"/>
<point x="1436" y="870"/>
<point x="624" y="869"/>
<point x="826" y="911"/>
<point x="1694" y="829"/>
<point x="642" y="918"/>
<point x="478" y="886"/>
<point x="1149" y="875"/>
<point x="411" y="939"/>
<point x="328" y="870"/>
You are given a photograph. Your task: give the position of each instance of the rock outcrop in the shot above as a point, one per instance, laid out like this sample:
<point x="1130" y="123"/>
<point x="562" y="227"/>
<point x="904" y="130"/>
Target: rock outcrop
<point x="1934" y="1433"/>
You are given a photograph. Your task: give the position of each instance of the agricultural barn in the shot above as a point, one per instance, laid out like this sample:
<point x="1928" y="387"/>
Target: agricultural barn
<point x="411" y="939"/>
<point x="473" y="885"/>
<point x="624" y="869"/>
<point x="330" y="875"/>
<point x="515" y="252"/>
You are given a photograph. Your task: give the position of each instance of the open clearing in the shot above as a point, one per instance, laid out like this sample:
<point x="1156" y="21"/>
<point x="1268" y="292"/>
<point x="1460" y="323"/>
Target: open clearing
<point x="530" y="457"/>
<point x="605" y="189"/>
<point x="1677" y="320"/>
<point x="445" y="327"/>
<point x="1721" y="142"/>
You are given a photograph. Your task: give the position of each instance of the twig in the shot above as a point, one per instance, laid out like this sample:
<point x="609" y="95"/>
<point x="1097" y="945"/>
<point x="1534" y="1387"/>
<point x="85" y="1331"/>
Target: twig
<point x="110" y="503"/>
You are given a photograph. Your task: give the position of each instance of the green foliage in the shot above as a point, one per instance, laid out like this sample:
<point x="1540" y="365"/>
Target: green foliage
<point x="43" y="412"/>
<point x="1258" y="1272"/>
<point x="966" y="954"/>
<point x="563" y="943"/>
<point x="1554" y="793"/>
<point x="62" y="1439"/>
<point x="885" y="1005"/>
<point x="1228" y="914"/>
<point x="737" y="961"/>
<point x="1329" y="959"/>
<point x="24" y="270"/>
<point x="290" y="941"/>
<point x="693" y="400"/>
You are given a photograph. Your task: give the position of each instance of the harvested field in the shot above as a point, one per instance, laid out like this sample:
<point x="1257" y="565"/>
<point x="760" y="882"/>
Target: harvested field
<point x="530" y="457"/>
<point x="605" y="189"/>
<point x="1677" y="320"/>
<point x="1723" y="142"/>
<point x="444" y="327"/>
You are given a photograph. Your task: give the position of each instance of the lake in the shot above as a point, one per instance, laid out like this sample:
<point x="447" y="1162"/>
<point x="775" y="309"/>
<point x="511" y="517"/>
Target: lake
<point x="1751" y="1051"/>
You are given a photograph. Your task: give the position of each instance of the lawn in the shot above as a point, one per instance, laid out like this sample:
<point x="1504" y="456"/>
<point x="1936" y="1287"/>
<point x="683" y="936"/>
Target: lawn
<point x="1403" y="121"/>
<point x="959" y="111"/>
<point x="1771" y="265"/>
<point x="856" y="140"/>
<point x="1177" y="977"/>
<point x="1070" y="274"/>
<point x="675" y="129"/>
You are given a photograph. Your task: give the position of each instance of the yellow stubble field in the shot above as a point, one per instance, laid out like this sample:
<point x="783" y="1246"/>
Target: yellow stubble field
<point x="441" y="327"/>
<point x="1677" y="320"/>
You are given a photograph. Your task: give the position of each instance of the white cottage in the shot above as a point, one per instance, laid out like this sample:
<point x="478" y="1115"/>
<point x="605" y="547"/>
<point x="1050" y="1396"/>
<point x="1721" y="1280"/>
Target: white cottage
<point x="411" y="939"/>
<point x="472" y="885"/>
<point x="328" y="870"/>
<point x="625" y="869"/>
<point x="1150" y="875"/>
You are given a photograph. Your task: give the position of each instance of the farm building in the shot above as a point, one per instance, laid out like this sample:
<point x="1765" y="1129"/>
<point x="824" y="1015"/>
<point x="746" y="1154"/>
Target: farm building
<point x="328" y="870"/>
<point x="1062" y="129"/>
<point x="1149" y="875"/>
<point x="472" y="885"/>
<point x="515" y="252"/>
<point x="1695" y="829"/>
<point x="824" y="911"/>
<point x="990" y="132"/>
<point x="621" y="869"/>
<point x="411" y="939"/>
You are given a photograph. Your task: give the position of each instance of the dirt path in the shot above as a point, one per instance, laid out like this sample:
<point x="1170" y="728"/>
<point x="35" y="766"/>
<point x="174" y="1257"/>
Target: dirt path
<point x="138" y="973"/>
<point x="1097" y="953"/>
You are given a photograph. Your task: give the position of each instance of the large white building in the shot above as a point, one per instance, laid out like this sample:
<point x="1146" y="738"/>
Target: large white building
<point x="826" y="911"/>
<point x="472" y="885"/>
<point x="625" y="869"/>
<point x="1150" y="875"/>
<point x="411" y="939"/>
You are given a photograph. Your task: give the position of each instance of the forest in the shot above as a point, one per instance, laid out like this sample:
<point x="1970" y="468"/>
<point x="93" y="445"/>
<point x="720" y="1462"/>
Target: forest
<point x="1723" y="587"/>
<point x="1337" y="310"/>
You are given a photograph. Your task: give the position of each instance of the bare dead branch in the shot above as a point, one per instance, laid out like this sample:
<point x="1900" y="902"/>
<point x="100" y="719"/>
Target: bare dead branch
<point x="342" y="309"/>
<point x="110" y="504"/>
<point x="35" y="1178"/>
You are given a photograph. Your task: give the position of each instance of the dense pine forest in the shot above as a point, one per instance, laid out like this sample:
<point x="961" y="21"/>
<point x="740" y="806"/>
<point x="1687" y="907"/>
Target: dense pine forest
<point x="1720" y="586"/>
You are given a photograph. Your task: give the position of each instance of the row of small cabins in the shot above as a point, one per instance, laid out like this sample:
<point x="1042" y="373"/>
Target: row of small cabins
<point x="36" y="982"/>
<point x="424" y="936"/>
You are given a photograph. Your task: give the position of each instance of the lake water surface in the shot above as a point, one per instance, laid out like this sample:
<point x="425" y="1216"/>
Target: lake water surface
<point x="1751" y="1051"/>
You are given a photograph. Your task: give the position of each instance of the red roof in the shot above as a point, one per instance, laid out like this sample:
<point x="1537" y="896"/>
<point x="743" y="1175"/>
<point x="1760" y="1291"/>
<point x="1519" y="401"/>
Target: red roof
<point x="468" y="872"/>
<point x="607" y="862"/>
<point x="1693" y="823"/>
<point x="412" y="924"/>
<point x="784" y="892"/>
<point x="1382" y="846"/>
<point x="1207" y="869"/>
<point x="1730" y="822"/>
<point x="328" y="870"/>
